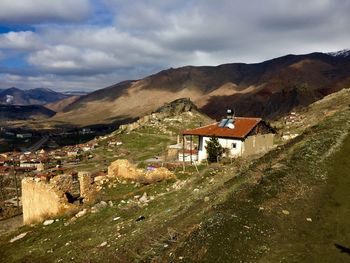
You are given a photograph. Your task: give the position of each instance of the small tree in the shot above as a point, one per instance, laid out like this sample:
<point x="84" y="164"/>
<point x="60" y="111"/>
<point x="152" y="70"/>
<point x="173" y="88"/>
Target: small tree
<point x="214" y="149"/>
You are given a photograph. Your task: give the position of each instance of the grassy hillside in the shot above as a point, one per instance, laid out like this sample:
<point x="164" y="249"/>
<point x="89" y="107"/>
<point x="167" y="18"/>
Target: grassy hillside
<point x="296" y="210"/>
<point x="287" y="206"/>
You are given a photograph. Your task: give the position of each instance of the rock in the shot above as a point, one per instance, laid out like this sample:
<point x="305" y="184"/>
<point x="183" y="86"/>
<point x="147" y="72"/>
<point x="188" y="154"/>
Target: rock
<point x="144" y="198"/>
<point x="20" y="236"/>
<point x="309" y="219"/>
<point x="103" y="244"/>
<point x="285" y="212"/>
<point x="81" y="213"/>
<point x="96" y="208"/>
<point x="99" y="179"/>
<point x="116" y="218"/>
<point x="48" y="222"/>
<point x="206" y="199"/>
<point x="110" y="203"/>
<point x="178" y="185"/>
<point x="140" y="218"/>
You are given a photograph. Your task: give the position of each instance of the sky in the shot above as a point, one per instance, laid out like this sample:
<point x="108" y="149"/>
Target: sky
<point x="84" y="45"/>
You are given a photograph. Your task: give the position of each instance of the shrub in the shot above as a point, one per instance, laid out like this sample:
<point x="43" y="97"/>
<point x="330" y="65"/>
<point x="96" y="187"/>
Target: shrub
<point x="214" y="150"/>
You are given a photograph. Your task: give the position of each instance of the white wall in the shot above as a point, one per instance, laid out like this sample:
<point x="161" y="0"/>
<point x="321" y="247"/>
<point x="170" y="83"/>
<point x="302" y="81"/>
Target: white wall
<point x="187" y="157"/>
<point x="225" y="143"/>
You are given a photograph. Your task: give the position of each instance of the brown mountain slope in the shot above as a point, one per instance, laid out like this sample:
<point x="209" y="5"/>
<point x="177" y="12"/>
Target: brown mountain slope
<point x="267" y="89"/>
<point x="61" y="104"/>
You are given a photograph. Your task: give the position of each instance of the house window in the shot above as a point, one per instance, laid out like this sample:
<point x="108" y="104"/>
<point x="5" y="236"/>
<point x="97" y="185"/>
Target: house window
<point x="234" y="145"/>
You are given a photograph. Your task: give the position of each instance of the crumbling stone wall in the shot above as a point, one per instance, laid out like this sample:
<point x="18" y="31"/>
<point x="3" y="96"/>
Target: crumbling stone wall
<point x="42" y="199"/>
<point x="87" y="187"/>
<point x="123" y="169"/>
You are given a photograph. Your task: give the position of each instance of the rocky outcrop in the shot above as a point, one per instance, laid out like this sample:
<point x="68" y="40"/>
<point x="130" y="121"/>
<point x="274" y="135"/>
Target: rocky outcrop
<point x="124" y="170"/>
<point x="177" y="106"/>
<point x="173" y="108"/>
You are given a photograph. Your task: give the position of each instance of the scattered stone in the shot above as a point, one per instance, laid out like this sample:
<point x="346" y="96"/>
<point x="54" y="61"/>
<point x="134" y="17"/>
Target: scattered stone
<point x="20" y="236"/>
<point x="178" y="185"/>
<point x="196" y="190"/>
<point x="116" y="218"/>
<point x="144" y="198"/>
<point x="140" y="218"/>
<point x="96" y="208"/>
<point x="81" y="213"/>
<point x="110" y="203"/>
<point x="285" y="212"/>
<point x="206" y="199"/>
<point x="309" y="219"/>
<point x="48" y="222"/>
<point x="103" y="244"/>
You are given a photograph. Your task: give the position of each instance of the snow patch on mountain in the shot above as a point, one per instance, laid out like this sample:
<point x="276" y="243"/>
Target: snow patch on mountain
<point x="342" y="53"/>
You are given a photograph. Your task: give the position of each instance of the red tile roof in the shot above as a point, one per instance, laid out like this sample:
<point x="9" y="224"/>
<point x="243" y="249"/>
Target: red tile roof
<point x="243" y="126"/>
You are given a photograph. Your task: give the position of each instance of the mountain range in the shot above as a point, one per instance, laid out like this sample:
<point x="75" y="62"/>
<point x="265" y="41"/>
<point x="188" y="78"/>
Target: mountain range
<point x="39" y="96"/>
<point x="268" y="89"/>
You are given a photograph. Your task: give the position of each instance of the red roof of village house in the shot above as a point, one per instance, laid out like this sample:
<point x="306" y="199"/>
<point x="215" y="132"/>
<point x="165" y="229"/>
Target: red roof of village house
<point x="243" y="126"/>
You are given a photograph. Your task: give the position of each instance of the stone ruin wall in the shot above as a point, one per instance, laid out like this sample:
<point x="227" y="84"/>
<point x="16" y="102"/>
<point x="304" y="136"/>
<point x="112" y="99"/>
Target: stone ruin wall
<point x="124" y="170"/>
<point x="43" y="199"/>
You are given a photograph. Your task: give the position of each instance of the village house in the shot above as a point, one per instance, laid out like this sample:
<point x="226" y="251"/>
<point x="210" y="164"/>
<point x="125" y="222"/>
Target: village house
<point x="239" y="136"/>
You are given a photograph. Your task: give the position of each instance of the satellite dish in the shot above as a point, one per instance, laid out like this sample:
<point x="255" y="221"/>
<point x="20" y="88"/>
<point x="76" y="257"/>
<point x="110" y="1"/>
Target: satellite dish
<point x="230" y="126"/>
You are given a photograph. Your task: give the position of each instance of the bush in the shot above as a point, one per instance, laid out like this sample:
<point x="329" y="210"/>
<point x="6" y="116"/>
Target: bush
<point x="214" y="150"/>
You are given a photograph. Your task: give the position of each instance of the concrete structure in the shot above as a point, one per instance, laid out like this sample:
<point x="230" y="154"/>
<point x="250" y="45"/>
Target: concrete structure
<point x="238" y="135"/>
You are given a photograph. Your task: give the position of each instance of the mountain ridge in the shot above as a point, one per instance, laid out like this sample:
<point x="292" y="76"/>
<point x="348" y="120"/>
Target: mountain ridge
<point x="37" y="96"/>
<point x="268" y="89"/>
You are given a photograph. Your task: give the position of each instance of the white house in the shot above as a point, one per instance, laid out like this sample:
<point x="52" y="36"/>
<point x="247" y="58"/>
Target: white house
<point x="240" y="136"/>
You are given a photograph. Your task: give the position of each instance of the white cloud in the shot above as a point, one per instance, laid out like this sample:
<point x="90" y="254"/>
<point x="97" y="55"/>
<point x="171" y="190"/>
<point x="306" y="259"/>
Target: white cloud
<point x="23" y="40"/>
<point x="37" y="11"/>
<point x="150" y="35"/>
